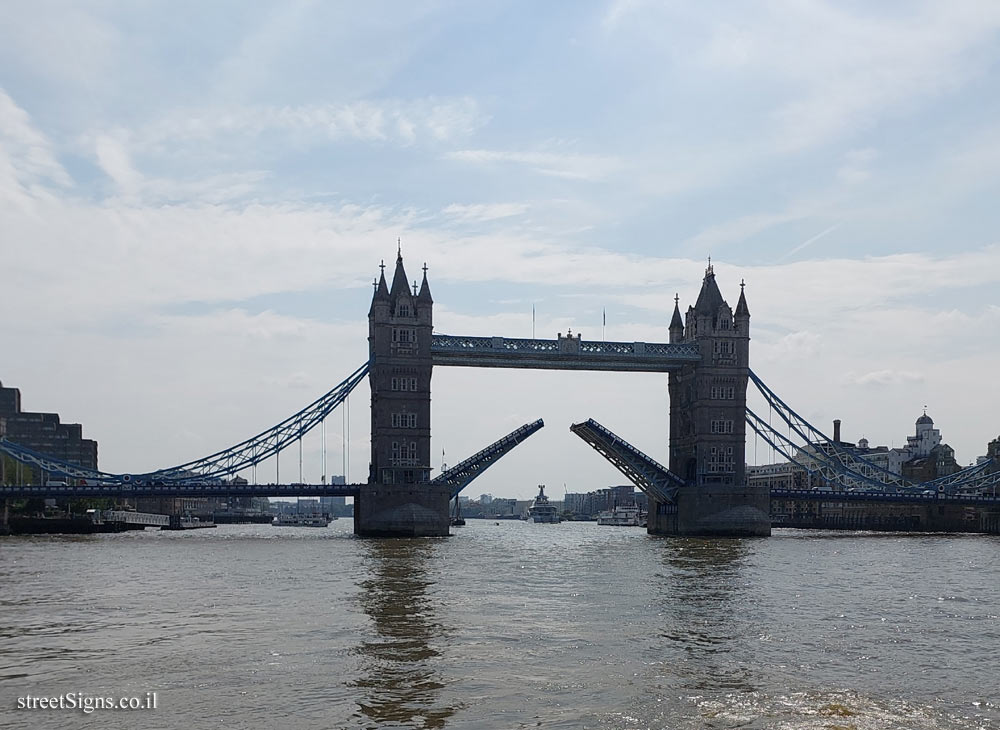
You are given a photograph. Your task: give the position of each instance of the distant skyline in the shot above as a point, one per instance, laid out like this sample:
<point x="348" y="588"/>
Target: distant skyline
<point x="194" y="201"/>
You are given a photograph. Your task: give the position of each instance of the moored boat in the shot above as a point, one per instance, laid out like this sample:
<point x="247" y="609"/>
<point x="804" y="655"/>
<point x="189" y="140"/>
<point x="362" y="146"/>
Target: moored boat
<point x="313" y="520"/>
<point x="541" y="510"/>
<point x="627" y="515"/>
<point x="456" y="519"/>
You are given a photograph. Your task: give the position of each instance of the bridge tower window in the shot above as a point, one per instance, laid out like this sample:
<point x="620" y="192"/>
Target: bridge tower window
<point x="404" y="420"/>
<point x="723" y="347"/>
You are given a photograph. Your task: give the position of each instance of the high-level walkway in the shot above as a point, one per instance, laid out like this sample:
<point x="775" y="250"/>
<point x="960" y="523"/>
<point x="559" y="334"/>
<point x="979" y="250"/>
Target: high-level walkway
<point x="563" y="353"/>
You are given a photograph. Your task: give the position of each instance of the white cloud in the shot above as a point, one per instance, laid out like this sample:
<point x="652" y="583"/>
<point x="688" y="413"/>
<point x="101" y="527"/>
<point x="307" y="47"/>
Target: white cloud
<point x="720" y="235"/>
<point x="565" y="165"/>
<point x="374" y="120"/>
<point x="27" y="158"/>
<point x="883" y="378"/>
<point x="854" y="67"/>
<point x="814" y="72"/>
<point x="482" y="212"/>
<point x="114" y="159"/>
<point x="62" y="42"/>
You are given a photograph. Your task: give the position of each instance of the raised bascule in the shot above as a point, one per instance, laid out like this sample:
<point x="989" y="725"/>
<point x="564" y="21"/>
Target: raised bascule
<point x="702" y="490"/>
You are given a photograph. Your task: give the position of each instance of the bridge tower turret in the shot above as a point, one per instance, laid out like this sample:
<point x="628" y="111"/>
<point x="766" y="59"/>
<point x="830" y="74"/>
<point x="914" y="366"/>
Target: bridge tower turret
<point x="676" y="323"/>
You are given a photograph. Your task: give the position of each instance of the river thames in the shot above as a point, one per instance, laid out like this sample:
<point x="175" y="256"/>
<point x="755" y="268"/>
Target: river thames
<point x="503" y="625"/>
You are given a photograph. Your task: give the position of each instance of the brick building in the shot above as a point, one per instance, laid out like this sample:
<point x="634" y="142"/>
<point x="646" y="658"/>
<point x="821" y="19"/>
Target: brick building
<point x="44" y="432"/>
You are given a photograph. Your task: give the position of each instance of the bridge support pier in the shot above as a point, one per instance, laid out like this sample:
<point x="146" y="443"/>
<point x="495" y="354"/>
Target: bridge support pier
<point x="714" y="511"/>
<point x="402" y="510"/>
<point x="5" y="520"/>
<point x="990" y="521"/>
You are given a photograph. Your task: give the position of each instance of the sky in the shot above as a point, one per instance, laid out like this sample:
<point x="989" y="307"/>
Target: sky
<point x="195" y="198"/>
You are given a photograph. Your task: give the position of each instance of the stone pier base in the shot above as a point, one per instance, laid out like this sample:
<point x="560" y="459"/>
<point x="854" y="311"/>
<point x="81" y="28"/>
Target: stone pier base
<point x="714" y="511"/>
<point x="413" y="510"/>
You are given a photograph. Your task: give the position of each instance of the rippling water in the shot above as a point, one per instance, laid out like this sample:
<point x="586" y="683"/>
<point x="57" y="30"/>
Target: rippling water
<point x="505" y="625"/>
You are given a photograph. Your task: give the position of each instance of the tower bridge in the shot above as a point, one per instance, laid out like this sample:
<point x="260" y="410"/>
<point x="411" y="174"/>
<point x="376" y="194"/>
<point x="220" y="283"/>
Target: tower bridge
<point x="706" y="361"/>
<point x="702" y="490"/>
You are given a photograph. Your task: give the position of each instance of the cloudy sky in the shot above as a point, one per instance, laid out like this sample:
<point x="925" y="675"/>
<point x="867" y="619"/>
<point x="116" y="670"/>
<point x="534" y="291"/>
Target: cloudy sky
<point x="194" y="199"/>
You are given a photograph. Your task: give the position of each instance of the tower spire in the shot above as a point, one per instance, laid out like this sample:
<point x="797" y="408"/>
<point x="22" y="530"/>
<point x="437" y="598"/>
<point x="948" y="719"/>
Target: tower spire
<point x="742" y="310"/>
<point x="381" y="290"/>
<point x="676" y="328"/>
<point x="399" y="283"/>
<point x="425" y="289"/>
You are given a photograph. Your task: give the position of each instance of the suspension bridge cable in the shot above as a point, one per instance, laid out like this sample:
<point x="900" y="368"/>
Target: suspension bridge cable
<point x="221" y="464"/>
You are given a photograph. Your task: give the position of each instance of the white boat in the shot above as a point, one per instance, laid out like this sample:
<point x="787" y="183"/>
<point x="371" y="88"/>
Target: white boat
<point x="313" y="520"/>
<point x="627" y="515"/>
<point x="541" y="510"/>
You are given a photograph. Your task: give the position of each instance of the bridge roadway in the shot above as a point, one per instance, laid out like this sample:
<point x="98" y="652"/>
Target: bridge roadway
<point x="814" y="495"/>
<point x="352" y="490"/>
<point x="117" y="491"/>
<point x="564" y="353"/>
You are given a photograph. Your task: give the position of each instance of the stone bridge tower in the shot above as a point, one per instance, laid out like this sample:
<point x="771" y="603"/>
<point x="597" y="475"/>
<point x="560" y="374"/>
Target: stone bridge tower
<point x="708" y="420"/>
<point x="400" y="323"/>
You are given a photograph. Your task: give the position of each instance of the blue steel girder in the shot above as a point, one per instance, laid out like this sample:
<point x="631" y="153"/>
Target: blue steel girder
<point x="220" y="464"/>
<point x="52" y="466"/>
<point x="847" y="459"/>
<point x="565" y="353"/>
<point x="816" y="461"/>
<point x="656" y="480"/>
<point x="843" y="465"/>
<point x="983" y="483"/>
<point x="821" y="495"/>
<point x="978" y="478"/>
<point x="178" y="490"/>
<point x="267" y="443"/>
<point x="462" y="474"/>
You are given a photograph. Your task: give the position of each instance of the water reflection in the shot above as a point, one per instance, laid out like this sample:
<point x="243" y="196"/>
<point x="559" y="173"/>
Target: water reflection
<point x="400" y="684"/>
<point x="705" y="614"/>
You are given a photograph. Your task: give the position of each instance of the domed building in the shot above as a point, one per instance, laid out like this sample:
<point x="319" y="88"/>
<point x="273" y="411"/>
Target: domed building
<point x="929" y="458"/>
